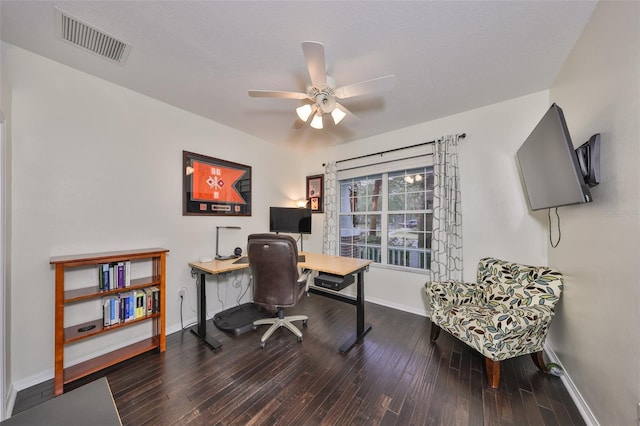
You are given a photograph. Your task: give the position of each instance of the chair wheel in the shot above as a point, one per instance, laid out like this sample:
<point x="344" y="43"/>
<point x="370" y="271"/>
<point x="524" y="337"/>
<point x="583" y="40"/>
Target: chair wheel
<point x="263" y="345"/>
<point x="299" y="339"/>
<point x="254" y="327"/>
<point x="304" y="323"/>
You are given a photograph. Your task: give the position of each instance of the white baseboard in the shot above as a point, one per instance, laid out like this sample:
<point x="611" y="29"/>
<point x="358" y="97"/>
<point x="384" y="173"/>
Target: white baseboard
<point x="12" y="393"/>
<point x="32" y="380"/>
<point x="574" y="393"/>
<point x="404" y="308"/>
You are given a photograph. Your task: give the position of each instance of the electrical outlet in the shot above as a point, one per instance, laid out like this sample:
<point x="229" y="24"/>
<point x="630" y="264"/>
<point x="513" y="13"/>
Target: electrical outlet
<point x="182" y="291"/>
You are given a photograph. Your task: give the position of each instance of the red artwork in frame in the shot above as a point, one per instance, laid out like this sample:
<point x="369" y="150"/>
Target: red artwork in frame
<point x="215" y="187"/>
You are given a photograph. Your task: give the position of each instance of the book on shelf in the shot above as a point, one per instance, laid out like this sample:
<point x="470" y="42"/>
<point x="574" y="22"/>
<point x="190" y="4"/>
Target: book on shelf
<point x="127" y="273"/>
<point x="126" y="298"/>
<point x="106" y="311"/>
<point x="114" y="275"/>
<point x="141" y="310"/>
<point x="120" y="268"/>
<point x="148" y="300"/>
<point x="112" y="279"/>
<point x="103" y="276"/>
<point x="155" y="292"/>
<point x="115" y="310"/>
<point x="110" y="311"/>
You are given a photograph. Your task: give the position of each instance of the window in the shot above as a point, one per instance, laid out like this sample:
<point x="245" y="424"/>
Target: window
<point x="387" y="217"/>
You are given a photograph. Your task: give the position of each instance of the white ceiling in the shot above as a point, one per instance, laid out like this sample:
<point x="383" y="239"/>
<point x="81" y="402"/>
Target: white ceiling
<point x="203" y="56"/>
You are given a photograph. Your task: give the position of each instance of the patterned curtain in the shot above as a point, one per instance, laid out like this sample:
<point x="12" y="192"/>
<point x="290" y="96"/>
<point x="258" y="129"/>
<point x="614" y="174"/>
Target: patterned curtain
<point x="330" y="238"/>
<point x="446" y="244"/>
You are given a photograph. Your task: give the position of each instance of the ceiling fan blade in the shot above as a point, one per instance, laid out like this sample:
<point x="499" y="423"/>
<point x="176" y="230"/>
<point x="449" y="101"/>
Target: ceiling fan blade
<point x="316" y="64"/>
<point x="348" y="113"/>
<point x="298" y="124"/>
<point x="365" y="87"/>
<point x="277" y="94"/>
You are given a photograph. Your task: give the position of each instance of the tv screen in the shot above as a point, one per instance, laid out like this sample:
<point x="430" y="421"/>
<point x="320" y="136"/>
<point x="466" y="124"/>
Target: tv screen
<point x="549" y="165"/>
<point x="290" y="220"/>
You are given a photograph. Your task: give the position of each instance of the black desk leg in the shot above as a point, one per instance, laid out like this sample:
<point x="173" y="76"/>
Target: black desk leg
<point x="200" y="330"/>
<point x="361" y="327"/>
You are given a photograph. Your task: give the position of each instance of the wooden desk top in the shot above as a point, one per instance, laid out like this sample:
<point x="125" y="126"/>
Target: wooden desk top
<point x="218" y="266"/>
<point x="338" y="265"/>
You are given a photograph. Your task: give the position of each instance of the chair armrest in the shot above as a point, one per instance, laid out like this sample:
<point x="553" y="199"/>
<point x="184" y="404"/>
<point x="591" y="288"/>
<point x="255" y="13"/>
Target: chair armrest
<point x="450" y="293"/>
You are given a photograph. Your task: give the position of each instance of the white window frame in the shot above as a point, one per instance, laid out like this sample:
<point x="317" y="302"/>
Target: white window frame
<point x="383" y="168"/>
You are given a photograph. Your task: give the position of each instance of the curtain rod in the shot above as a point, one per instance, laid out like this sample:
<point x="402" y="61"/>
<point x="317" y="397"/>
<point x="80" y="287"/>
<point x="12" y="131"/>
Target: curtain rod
<point x="462" y="136"/>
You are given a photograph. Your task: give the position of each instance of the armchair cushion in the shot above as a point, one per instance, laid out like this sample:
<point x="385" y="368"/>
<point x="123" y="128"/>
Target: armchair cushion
<point x="447" y="293"/>
<point x="506" y="313"/>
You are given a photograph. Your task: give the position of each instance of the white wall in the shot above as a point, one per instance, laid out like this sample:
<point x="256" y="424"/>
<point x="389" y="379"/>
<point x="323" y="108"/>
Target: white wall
<point x="70" y="130"/>
<point x="596" y="330"/>
<point x="5" y="247"/>
<point x="496" y="221"/>
<point x="97" y="167"/>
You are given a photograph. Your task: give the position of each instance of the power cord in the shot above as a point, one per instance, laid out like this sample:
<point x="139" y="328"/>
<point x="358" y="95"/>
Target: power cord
<point x="559" y="232"/>
<point x="218" y="292"/>
<point x="243" y="293"/>
<point x="182" y="291"/>
<point x="182" y="326"/>
<point x="181" y="321"/>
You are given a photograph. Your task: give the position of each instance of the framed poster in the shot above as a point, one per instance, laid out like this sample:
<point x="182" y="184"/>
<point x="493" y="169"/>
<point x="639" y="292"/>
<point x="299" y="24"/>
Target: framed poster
<point x="215" y="187"/>
<point x="315" y="193"/>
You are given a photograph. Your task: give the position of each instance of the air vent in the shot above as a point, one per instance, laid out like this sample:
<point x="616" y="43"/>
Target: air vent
<point x="88" y="37"/>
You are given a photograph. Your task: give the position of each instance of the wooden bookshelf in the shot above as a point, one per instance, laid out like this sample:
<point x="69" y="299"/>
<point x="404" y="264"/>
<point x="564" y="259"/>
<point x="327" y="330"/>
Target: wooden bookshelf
<point x="95" y="327"/>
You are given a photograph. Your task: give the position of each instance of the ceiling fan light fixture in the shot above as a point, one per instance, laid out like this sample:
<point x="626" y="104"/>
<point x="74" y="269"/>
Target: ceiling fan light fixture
<point x="304" y="112"/>
<point x="322" y="93"/>
<point x="337" y="115"/>
<point x="316" y="123"/>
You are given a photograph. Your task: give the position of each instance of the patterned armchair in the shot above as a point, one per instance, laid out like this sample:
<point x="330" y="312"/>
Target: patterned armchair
<point x="505" y="314"/>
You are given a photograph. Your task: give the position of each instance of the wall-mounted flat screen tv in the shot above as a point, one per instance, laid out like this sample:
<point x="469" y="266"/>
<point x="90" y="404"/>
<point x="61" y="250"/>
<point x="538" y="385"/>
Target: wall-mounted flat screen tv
<point x="290" y="220"/>
<point x="549" y="165"/>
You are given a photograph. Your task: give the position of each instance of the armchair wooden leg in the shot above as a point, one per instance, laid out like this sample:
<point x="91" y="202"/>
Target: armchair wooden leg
<point x="493" y="372"/>
<point x="538" y="360"/>
<point x="435" y="332"/>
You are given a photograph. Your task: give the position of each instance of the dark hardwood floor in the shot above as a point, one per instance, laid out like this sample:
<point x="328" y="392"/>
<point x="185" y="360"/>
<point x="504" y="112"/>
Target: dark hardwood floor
<point x="394" y="377"/>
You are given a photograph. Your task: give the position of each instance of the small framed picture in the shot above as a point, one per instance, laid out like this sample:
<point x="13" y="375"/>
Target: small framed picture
<point x="315" y="193"/>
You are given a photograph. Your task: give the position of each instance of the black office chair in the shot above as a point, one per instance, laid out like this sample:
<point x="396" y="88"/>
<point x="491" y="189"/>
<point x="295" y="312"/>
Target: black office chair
<point x="277" y="283"/>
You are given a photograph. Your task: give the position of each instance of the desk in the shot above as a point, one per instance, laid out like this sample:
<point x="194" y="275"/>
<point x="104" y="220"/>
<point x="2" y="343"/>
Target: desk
<point x="337" y="265"/>
<point x="200" y="270"/>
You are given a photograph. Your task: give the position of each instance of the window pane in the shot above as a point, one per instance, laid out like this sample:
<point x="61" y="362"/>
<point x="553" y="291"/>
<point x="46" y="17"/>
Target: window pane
<point x="361" y="194"/>
<point x="429" y="199"/>
<point x="396" y="201"/>
<point x="406" y="240"/>
<point x="416" y="201"/>
<point x="362" y="241"/>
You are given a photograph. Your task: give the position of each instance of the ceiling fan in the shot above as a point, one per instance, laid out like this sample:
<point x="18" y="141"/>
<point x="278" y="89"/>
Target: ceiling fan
<point x="322" y="92"/>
